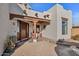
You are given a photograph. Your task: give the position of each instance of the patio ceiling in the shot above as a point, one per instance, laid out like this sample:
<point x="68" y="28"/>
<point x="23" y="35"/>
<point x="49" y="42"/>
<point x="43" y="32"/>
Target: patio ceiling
<point x="29" y="18"/>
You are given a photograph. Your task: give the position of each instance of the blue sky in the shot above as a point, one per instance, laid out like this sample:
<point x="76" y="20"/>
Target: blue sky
<point x="70" y="6"/>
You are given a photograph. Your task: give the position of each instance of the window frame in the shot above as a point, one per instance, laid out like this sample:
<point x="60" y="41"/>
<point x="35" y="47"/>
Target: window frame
<point x="65" y="24"/>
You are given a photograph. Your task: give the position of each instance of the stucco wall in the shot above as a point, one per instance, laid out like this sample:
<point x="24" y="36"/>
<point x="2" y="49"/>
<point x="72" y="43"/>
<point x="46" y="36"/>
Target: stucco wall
<point x="54" y="30"/>
<point x="13" y="27"/>
<point x="4" y="22"/>
<point x="61" y="12"/>
<point x="14" y="8"/>
<point x="51" y="29"/>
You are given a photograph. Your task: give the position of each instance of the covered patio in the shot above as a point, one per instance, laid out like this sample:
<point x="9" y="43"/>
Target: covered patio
<point x="33" y="20"/>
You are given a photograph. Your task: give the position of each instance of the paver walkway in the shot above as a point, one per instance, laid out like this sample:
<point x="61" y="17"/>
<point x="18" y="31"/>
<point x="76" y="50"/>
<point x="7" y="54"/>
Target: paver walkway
<point x="40" y="48"/>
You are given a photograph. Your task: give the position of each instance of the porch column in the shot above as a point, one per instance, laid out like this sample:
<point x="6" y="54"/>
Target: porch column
<point x="34" y="28"/>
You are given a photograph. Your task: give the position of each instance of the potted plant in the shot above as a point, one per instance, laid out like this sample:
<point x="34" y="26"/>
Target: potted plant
<point x="36" y="14"/>
<point x="45" y="16"/>
<point x="48" y="15"/>
<point x="24" y="11"/>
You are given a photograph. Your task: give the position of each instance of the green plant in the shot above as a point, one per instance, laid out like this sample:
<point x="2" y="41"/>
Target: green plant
<point x="10" y="43"/>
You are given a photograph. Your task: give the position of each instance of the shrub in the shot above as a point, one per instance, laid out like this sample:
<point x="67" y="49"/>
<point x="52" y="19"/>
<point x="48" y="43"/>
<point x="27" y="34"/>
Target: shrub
<point x="10" y="43"/>
<point x="76" y="37"/>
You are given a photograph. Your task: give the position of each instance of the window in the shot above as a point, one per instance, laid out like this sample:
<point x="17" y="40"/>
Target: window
<point x="64" y="26"/>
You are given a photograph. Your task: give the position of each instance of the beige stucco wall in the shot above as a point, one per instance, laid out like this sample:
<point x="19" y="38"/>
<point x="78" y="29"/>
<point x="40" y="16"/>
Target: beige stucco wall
<point x="51" y="29"/>
<point x="61" y="12"/>
<point x="4" y="23"/>
<point x="13" y="28"/>
<point x="14" y="8"/>
<point x="54" y="30"/>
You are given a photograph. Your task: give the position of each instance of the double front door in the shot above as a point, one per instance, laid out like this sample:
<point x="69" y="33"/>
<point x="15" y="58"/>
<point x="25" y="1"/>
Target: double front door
<point x="23" y="30"/>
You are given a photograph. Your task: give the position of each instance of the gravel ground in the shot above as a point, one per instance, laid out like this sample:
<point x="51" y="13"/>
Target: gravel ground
<point x="45" y="48"/>
<point x="63" y="50"/>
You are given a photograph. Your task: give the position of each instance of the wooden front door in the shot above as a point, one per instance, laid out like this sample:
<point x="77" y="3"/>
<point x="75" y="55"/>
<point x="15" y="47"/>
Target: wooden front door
<point x="24" y="30"/>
